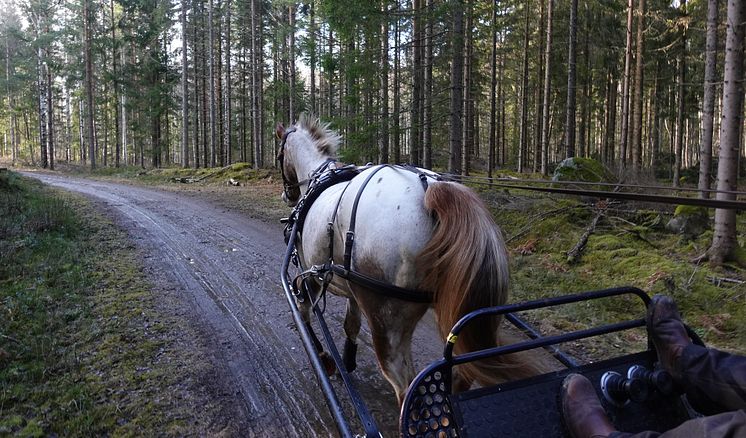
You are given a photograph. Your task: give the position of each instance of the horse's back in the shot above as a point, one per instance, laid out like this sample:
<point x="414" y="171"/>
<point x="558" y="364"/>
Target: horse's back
<point x="391" y="224"/>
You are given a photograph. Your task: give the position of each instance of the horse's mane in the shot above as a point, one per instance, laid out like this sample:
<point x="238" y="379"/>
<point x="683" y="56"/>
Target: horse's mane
<point x="324" y="138"/>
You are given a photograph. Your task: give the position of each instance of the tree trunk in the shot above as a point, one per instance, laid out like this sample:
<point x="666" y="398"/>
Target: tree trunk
<point x="291" y="63"/>
<point x="467" y="133"/>
<point x="312" y="60"/>
<point x="89" y="81"/>
<point x="414" y="138"/>
<point x="42" y="107"/>
<point x="538" y="101"/>
<point x="724" y="241"/>
<point x="383" y="149"/>
<point x="397" y="103"/>
<point x="427" y="143"/>
<point x="211" y="61"/>
<point x="637" y="95"/>
<point x="50" y="114"/>
<point x="708" y="100"/>
<point x="457" y="71"/>
<point x="255" y="81"/>
<point x="493" y="93"/>
<point x="228" y="90"/>
<point x="184" y="90"/>
<point x="681" y="97"/>
<point x="547" y="90"/>
<point x="624" y="128"/>
<point x="571" y="79"/>
<point x="115" y="87"/>
<point x="523" y="131"/>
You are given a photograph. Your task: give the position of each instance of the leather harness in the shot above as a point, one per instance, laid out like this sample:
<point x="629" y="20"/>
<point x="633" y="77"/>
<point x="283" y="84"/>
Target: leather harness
<point x="321" y="179"/>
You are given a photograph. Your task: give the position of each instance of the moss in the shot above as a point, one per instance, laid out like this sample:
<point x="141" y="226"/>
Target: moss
<point x="690" y="210"/>
<point x="582" y="169"/>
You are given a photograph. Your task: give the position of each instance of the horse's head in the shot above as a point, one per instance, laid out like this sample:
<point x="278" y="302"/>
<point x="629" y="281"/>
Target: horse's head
<point x="285" y="157"/>
<point x="303" y="148"/>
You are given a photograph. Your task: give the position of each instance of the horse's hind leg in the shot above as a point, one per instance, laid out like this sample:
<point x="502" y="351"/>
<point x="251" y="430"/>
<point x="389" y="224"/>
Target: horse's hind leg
<point x="352" y="329"/>
<point x="392" y="328"/>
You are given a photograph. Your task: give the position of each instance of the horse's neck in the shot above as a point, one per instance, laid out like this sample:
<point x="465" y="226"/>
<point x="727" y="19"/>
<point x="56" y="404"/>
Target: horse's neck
<point x="307" y="163"/>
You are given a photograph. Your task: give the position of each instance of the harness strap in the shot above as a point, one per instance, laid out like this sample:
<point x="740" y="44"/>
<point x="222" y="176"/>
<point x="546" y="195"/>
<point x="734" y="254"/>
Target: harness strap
<point x="350" y="237"/>
<point x="383" y="288"/>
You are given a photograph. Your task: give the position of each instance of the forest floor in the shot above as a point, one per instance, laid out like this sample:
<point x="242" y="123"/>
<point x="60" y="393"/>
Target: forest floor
<point x="196" y="236"/>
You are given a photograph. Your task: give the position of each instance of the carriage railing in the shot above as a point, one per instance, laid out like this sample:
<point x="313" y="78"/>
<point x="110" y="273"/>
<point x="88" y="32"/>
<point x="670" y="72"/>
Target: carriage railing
<point x="335" y="407"/>
<point x="429" y="407"/>
<point x="539" y="341"/>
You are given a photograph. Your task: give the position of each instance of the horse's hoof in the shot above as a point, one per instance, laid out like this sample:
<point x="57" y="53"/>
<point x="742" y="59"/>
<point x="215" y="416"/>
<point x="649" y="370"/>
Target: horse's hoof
<point x="349" y="355"/>
<point x="329" y="366"/>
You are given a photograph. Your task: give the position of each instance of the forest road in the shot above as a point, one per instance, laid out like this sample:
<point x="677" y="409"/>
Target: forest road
<point x="225" y="268"/>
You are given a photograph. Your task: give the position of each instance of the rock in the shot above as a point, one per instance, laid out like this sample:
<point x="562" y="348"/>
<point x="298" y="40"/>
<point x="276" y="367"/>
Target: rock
<point x="689" y="221"/>
<point x="585" y="170"/>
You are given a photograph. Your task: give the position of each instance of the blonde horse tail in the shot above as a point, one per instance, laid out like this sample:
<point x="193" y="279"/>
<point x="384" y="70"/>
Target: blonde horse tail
<point x="465" y="265"/>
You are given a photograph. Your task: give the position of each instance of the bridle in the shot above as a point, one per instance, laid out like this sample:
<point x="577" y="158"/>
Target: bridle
<point x="286" y="184"/>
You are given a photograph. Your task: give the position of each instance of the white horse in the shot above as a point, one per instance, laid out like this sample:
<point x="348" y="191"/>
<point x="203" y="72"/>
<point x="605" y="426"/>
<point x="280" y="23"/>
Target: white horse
<point x="440" y="238"/>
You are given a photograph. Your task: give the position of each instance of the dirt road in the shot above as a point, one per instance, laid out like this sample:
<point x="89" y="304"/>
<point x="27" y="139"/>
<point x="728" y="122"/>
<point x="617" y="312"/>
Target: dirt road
<point x="226" y="268"/>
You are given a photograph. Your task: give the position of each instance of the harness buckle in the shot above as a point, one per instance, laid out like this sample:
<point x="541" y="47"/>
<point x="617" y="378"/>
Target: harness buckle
<point x="349" y="240"/>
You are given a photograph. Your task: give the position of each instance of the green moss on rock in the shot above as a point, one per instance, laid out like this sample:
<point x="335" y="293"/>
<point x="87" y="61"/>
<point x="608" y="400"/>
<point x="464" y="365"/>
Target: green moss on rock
<point x="582" y="169"/>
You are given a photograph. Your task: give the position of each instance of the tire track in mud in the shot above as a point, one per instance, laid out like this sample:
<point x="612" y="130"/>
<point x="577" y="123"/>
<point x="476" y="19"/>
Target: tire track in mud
<point x="227" y="268"/>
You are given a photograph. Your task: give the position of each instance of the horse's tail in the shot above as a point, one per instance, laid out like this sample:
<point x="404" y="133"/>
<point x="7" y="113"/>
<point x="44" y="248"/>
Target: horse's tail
<point x="465" y="265"/>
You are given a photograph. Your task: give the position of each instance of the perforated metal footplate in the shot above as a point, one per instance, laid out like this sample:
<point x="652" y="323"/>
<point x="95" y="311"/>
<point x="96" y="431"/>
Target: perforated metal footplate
<point x="430" y="413"/>
<point x="531" y="407"/>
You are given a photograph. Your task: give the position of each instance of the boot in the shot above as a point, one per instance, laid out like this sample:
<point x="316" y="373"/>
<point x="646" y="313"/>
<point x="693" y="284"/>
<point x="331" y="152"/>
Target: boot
<point x="667" y="332"/>
<point x="582" y="412"/>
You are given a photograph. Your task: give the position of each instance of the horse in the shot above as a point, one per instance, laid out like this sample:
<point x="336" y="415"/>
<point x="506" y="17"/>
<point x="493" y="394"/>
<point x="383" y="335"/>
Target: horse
<point x="411" y="231"/>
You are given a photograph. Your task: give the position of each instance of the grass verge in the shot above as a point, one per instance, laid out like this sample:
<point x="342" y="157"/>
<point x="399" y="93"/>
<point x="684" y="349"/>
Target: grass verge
<point x="84" y="349"/>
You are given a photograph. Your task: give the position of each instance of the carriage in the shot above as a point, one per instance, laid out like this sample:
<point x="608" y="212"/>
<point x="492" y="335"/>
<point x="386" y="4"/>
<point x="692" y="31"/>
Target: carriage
<point x="338" y="207"/>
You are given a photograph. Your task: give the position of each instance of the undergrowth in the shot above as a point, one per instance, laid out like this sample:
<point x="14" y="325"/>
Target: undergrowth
<point x="81" y="346"/>
<point x="629" y="247"/>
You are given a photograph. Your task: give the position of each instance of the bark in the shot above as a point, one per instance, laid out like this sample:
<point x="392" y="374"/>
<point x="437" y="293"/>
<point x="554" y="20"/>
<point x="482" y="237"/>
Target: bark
<point x="50" y="112"/>
<point x="468" y="138"/>
<point x="211" y="62"/>
<point x="681" y="98"/>
<point x="42" y="108"/>
<point x="291" y="63"/>
<point x="427" y="145"/>
<point x="624" y="128"/>
<point x="228" y="90"/>
<point x="11" y="110"/>
<point x="383" y="149"/>
<point x="184" y="91"/>
<point x="538" y="101"/>
<point x="414" y="138"/>
<point x="115" y="87"/>
<point x="493" y="93"/>
<point x="547" y="90"/>
<point x="523" y="137"/>
<point x="457" y="71"/>
<point x="724" y="241"/>
<point x="396" y="152"/>
<point x="708" y="100"/>
<point x="637" y="95"/>
<point x="312" y="60"/>
<point x="571" y="81"/>
<point x="89" y="82"/>
<point x="256" y="84"/>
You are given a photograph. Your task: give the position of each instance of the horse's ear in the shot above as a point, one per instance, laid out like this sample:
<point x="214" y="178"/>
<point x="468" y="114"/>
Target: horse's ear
<point x="279" y="130"/>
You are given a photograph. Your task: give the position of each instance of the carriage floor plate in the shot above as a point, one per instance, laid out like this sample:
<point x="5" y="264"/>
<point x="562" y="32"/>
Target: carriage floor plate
<point x="531" y="407"/>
